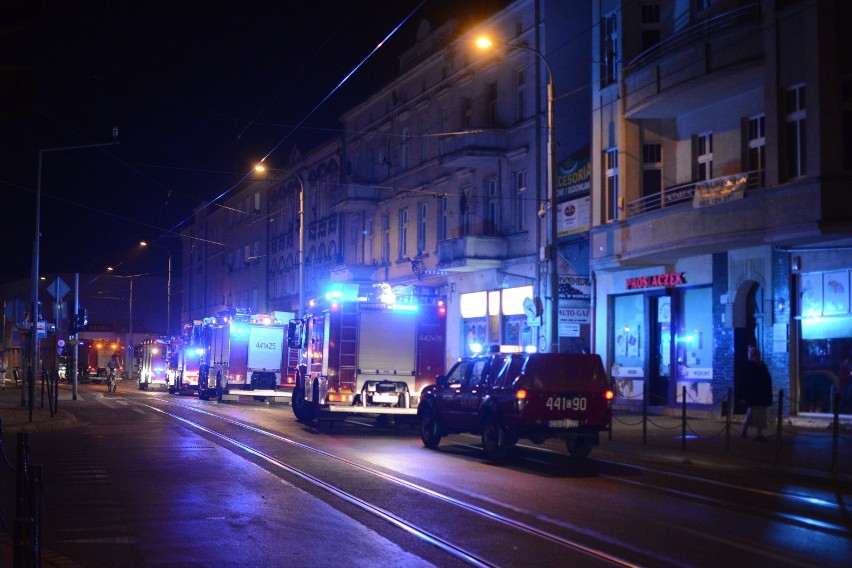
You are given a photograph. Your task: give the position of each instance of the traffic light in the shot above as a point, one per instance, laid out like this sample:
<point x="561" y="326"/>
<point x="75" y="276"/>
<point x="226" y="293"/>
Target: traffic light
<point x="82" y="318"/>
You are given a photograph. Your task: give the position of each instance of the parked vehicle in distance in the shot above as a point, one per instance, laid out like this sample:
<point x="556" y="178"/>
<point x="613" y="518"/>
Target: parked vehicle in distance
<point x="506" y="397"/>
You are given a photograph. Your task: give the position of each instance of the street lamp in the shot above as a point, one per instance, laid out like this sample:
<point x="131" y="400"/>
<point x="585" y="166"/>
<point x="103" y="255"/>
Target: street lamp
<point x="168" y="286"/>
<point x="34" y="316"/>
<point x="128" y="362"/>
<point x="262" y="168"/>
<point x="485" y="43"/>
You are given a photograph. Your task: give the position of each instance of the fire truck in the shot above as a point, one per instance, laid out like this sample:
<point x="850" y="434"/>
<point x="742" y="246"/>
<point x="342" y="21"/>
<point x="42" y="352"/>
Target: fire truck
<point x="241" y="351"/>
<point x="99" y="352"/>
<point x="185" y="360"/>
<point x="367" y="352"/>
<point x="158" y="358"/>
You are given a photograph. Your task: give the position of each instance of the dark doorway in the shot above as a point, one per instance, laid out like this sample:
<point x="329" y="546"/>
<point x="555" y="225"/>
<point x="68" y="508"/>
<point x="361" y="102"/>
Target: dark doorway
<point x="747" y="322"/>
<point x="660" y="316"/>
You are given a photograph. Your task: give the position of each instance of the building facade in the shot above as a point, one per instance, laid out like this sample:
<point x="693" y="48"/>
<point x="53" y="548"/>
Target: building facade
<point x="722" y="145"/>
<point x="437" y="184"/>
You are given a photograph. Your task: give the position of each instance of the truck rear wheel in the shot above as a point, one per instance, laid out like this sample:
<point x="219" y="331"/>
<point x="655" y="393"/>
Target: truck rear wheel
<point x="579" y="446"/>
<point x="430" y="430"/>
<point x="302" y="409"/>
<point x="495" y="439"/>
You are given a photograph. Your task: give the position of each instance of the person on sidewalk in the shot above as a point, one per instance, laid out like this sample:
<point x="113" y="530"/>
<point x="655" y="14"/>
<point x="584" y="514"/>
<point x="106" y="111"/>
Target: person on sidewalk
<point x="3" y="363"/>
<point x="757" y="387"/>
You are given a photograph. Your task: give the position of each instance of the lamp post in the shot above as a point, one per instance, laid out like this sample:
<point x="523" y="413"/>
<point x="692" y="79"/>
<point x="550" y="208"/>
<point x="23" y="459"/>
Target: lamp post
<point x="34" y="315"/>
<point x="262" y="168"/>
<point x="553" y="276"/>
<point x="168" y="286"/>
<point x="128" y="362"/>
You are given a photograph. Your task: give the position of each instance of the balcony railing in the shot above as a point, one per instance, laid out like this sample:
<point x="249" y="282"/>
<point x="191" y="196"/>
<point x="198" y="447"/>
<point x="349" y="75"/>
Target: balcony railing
<point x="692" y="33"/>
<point x="679" y="195"/>
<point x="472" y="146"/>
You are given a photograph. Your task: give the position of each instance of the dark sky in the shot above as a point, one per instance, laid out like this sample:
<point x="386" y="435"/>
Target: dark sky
<point x="199" y="90"/>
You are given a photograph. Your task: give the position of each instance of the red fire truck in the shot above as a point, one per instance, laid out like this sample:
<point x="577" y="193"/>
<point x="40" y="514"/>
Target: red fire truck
<point x="241" y="351"/>
<point x="367" y="352"/>
<point x="98" y="354"/>
<point x="158" y="357"/>
<point x="185" y="360"/>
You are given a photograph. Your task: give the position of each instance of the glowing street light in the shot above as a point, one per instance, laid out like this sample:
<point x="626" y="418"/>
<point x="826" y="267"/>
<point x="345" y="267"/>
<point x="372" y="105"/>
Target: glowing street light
<point x="485" y="43"/>
<point x="168" y="286"/>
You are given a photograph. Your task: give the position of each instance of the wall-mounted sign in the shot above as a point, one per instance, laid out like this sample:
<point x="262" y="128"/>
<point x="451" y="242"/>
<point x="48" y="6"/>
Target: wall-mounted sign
<point x="667" y="279"/>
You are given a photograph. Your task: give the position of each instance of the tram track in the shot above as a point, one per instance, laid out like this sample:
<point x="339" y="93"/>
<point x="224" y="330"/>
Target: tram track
<point x="789" y="508"/>
<point x="458" y="551"/>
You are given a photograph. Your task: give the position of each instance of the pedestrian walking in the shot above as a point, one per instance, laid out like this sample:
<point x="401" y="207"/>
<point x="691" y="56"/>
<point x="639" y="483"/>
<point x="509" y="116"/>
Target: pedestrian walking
<point x="3" y="364"/>
<point x="757" y="387"/>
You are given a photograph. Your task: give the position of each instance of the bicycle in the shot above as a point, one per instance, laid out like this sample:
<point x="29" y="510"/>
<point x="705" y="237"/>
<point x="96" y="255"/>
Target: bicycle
<point x="111" y="385"/>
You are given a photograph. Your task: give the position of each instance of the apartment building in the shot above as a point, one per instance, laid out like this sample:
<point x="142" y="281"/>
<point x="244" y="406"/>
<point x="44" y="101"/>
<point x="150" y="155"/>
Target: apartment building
<point x="721" y="173"/>
<point x="438" y="184"/>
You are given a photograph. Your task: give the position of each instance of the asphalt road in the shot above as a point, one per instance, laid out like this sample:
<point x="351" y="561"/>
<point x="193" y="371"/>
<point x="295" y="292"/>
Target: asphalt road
<point x="126" y="484"/>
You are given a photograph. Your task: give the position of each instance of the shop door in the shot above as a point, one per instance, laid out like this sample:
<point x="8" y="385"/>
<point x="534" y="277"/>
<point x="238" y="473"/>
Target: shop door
<point x="660" y="368"/>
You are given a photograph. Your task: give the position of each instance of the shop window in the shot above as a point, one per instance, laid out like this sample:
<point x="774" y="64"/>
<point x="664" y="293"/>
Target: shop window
<point x="628" y="357"/>
<point x="694" y="347"/>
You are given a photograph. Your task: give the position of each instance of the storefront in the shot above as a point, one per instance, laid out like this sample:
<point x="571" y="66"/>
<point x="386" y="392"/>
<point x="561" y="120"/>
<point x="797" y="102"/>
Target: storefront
<point x="498" y="317"/>
<point x="660" y="336"/>
<point x="825" y="346"/>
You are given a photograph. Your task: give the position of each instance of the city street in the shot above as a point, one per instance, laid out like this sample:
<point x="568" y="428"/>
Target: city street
<point x="147" y="478"/>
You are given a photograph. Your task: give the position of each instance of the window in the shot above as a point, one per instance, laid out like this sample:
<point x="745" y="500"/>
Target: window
<point x="422" y="211"/>
<point x="757" y="148"/>
<point x="466" y="113"/>
<point x="465" y="211"/>
<point x="385" y="239"/>
<point x="796" y="155"/>
<point x="846" y="102"/>
<point x="369" y="241"/>
<point x="609" y="49"/>
<point x="520" y="199"/>
<point x="652" y="169"/>
<point x="424" y="139"/>
<point x="443" y="213"/>
<point x="704" y="156"/>
<point x="521" y="97"/>
<point x="403" y="148"/>
<point x="493" y="195"/>
<point x="402" y="244"/>
<point x="650" y="25"/>
<point x="491" y="104"/>
<point x="610" y="160"/>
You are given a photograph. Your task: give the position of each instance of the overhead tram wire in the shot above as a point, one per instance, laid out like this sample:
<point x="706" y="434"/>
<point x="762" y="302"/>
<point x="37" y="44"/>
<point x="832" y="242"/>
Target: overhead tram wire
<point x="245" y="176"/>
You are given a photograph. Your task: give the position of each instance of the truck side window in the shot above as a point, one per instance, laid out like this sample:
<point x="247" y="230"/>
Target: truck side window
<point x="458" y="374"/>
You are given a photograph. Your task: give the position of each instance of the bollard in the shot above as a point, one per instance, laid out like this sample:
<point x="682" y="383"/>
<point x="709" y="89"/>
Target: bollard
<point x="728" y="413"/>
<point x="683" y="419"/>
<point x="778" y="425"/>
<point x="645" y="416"/>
<point x="835" y="432"/>
<point x="36" y="483"/>
<point x="22" y="536"/>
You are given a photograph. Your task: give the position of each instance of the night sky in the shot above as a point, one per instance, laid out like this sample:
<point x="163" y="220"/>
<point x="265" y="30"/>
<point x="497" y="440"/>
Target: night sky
<point x="199" y="91"/>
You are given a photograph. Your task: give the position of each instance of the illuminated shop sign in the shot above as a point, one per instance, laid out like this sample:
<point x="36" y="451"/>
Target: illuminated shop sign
<point x="666" y="279"/>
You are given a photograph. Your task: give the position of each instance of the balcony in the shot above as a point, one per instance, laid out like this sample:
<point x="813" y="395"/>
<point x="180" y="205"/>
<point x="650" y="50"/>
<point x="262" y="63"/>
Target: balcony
<point x="353" y="197"/>
<point x="472" y="148"/>
<point x="472" y="253"/>
<point x="685" y="194"/>
<point x="671" y="225"/>
<point x="700" y="65"/>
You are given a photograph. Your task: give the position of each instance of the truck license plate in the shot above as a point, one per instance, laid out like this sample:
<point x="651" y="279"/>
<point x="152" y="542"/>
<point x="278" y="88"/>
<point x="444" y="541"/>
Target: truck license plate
<point x="565" y="423"/>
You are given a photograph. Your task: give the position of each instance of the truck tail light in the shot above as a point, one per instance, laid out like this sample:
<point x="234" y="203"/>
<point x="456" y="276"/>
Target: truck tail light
<point x="609" y="395"/>
<point x="521" y="394"/>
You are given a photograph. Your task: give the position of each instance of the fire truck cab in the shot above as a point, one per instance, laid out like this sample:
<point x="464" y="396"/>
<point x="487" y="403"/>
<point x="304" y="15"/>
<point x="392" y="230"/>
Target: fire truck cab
<point x="367" y="351"/>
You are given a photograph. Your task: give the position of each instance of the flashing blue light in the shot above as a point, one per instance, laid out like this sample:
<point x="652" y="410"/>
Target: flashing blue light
<point x="238" y="329"/>
<point x="530" y="349"/>
<point x="475" y="348"/>
<point x="404" y="307"/>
